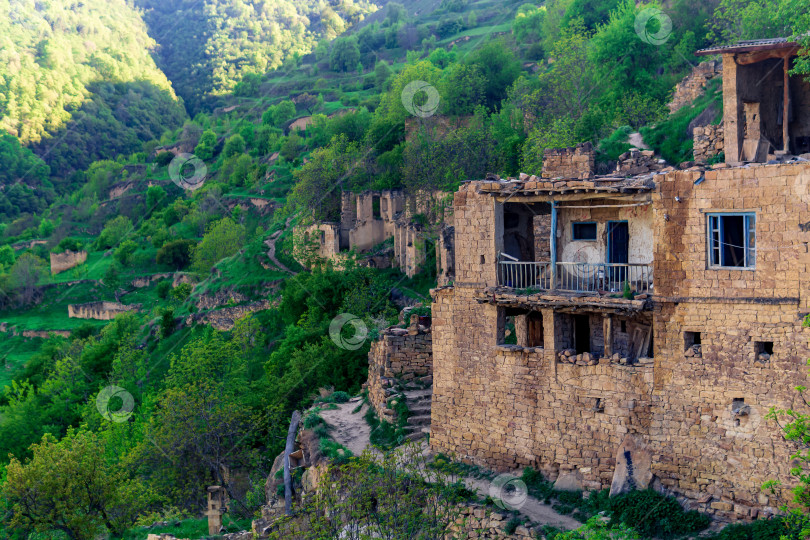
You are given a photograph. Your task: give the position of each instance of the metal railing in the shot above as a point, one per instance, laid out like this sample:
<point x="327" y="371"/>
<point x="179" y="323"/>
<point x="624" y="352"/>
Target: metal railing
<point x="524" y="275"/>
<point x="576" y="277"/>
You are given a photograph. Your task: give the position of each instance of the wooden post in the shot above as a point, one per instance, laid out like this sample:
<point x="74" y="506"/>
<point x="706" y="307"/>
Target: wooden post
<point x="607" y="330"/>
<point x="786" y="110"/>
<point x="288" y="449"/>
<point x="553" y="245"/>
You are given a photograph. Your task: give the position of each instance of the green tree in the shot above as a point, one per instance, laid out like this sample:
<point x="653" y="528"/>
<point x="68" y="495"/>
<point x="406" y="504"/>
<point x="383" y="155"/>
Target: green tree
<point x="382" y="72"/>
<point x="24" y="276"/>
<point x="500" y="68"/>
<point x="283" y="113"/>
<point x="233" y="146"/>
<point x="205" y="148"/>
<point x="6" y="256"/>
<point x="125" y="251"/>
<point x="114" y="231"/>
<point x="176" y="254"/>
<point x="69" y="487"/>
<point x="345" y="54"/>
<point x="155" y="198"/>
<point x="223" y="239"/>
<point x="528" y="23"/>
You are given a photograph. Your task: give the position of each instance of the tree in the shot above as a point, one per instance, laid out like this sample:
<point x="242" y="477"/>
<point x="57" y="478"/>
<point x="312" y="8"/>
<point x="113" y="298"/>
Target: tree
<point x="283" y="113"/>
<point x="345" y="54"/>
<point x="46" y="228"/>
<point x="24" y="277"/>
<point x="155" y="198"/>
<point x="69" y="487"/>
<point x="223" y="239"/>
<point x="233" y="146"/>
<point x="500" y="68"/>
<point x="463" y="89"/>
<point x="114" y="231"/>
<point x="6" y="257"/>
<point x="205" y="148"/>
<point x="528" y="23"/>
<point x="68" y="244"/>
<point x="124" y="252"/>
<point x="176" y="254"/>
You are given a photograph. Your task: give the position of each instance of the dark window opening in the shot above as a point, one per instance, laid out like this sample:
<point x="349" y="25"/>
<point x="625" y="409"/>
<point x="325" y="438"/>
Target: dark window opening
<point x="323" y="237"/>
<point x="692" y="343"/>
<point x="375" y="207"/>
<point x="763" y="349"/>
<point x="507" y="331"/>
<point x="582" y="333"/>
<point x="624" y="327"/>
<point x="510" y="220"/>
<point x="599" y="406"/>
<point x="732" y="240"/>
<point x="483" y="260"/>
<point x="584" y="231"/>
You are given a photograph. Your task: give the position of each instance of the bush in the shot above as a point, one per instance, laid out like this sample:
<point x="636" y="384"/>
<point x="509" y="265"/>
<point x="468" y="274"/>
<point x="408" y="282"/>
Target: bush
<point x="764" y="529"/>
<point x="176" y="254"/>
<point x="164" y="288"/>
<point x="68" y="244"/>
<point x="655" y="515"/>
<point x="340" y="396"/>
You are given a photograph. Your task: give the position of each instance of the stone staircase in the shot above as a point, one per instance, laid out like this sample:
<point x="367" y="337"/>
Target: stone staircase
<point x="418" y="395"/>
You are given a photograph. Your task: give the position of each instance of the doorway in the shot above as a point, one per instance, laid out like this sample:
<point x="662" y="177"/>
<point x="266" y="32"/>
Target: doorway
<point x="582" y="333"/>
<point x="618" y="251"/>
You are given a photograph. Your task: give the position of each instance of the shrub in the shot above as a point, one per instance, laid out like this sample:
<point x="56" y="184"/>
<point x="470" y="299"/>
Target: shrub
<point x="164" y="288"/>
<point x="653" y="514"/>
<point x="164" y="158"/>
<point x="340" y="396"/>
<point x="176" y="254"/>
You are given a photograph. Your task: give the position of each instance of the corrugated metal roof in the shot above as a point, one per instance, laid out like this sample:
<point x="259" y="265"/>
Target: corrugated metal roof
<point x="750" y="45"/>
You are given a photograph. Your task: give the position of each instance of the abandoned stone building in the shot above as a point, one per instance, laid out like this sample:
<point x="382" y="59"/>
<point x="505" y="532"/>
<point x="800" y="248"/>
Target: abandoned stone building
<point x="419" y="227"/>
<point x="766" y="110"/>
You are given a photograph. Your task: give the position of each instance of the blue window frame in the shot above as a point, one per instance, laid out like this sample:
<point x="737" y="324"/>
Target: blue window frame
<point x="585" y="230"/>
<point x="732" y="240"/>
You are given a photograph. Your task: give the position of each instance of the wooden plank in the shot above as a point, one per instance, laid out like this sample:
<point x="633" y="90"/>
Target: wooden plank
<point x="786" y="110"/>
<point x="607" y="329"/>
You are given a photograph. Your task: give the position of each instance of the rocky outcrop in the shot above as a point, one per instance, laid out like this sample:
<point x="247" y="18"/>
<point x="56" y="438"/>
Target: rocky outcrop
<point x="67" y="260"/>
<point x="635" y="162"/>
<point x="103" y="311"/>
<point x="224" y="319"/>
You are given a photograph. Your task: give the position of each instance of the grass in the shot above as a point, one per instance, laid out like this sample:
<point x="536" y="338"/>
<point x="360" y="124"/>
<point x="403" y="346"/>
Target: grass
<point x="15" y="351"/>
<point x="187" y="528"/>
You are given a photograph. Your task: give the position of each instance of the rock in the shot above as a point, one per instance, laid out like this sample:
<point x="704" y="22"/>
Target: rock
<point x="632" y="470"/>
<point x="569" y="481"/>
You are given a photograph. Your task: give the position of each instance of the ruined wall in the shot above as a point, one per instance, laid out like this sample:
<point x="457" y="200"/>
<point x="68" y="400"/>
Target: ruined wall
<point x="574" y="162"/>
<point x="67" y="260"/>
<point x="397" y="354"/>
<point x="694" y="85"/>
<point x="708" y="141"/>
<point x="701" y="417"/>
<point x="103" y="311"/>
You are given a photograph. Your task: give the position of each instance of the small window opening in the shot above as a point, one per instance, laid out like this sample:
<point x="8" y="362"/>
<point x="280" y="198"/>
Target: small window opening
<point x="323" y="237"/>
<point x="692" y="344"/>
<point x="584" y="231"/>
<point x="599" y="406"/>
<point x="509" y="334"/>
<point x="375" y="207"/>
<point x="763" y="350"/>
<point x="739" y="410"/>
<point x="624" y="327"/>
<point x="483" y="260"/>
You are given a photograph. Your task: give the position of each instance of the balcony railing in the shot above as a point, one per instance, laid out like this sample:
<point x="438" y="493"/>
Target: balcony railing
<point x="576" y="277"/>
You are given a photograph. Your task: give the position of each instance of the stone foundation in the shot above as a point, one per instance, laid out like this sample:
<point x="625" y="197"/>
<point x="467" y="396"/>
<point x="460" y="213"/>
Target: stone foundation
<point x="103" y="311"/>
<point x="397" y="354"/>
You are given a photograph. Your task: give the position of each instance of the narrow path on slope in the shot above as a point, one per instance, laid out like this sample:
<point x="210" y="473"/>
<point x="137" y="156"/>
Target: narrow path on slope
<point x="271" y="249"/>
<point x="352" y="431"/>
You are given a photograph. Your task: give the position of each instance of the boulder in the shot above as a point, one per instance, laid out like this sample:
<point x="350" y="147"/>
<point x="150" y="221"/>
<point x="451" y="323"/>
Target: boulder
<point x="569" y="481"/>
<point x="632" y="470"/>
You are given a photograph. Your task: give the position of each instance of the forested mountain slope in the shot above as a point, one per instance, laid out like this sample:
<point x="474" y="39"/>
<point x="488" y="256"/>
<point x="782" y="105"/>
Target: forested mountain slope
<point x="207" y="47"/>
<point x="77" y="80"/>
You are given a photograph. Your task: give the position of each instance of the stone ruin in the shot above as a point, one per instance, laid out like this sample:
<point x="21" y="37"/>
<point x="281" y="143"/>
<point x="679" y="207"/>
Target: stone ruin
<point x="67" y="260"/>
<point x="103" y="311"/>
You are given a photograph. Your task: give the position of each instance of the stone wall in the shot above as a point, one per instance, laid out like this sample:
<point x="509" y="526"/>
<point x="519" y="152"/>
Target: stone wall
<point x="708" y="142"/>
<point x="694" y="85"/>
<point x="67" y="260"/>
<point x="697" y="421"/>
<point x="397" y="354"/>
<point x="103" y="311"/>
<point x="574" y="162"/>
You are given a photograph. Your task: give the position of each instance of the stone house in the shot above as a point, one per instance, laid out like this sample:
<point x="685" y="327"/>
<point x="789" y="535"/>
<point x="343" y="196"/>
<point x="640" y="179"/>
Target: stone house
<point x="621" y="332"/>
<point x="370" y="218"/>
<point x="766" y="111"/>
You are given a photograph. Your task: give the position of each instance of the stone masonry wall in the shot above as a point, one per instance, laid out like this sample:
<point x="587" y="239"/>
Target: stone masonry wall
<point x="700" y="416"/>
<point x="104" y="311"/>
<point x="708" y="142"/>
<point x="66" y="260"/>
<point x="574" y="162"/>
<point x="694" y="85"/>
<point x="398" y="353"/>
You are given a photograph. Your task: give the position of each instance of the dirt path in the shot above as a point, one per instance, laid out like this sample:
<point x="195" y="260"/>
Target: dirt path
<point x="352" y="431"/>
<point x="271" y="249"/>
<point x="637" y="141"/>
<point x="349" y="428"/>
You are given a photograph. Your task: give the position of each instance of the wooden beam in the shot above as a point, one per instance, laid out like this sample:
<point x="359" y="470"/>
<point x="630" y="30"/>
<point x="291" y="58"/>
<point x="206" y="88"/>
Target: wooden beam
<point x="607" y="330"/>
<point x="786" y="110"/>
<point x="746" y="59"/>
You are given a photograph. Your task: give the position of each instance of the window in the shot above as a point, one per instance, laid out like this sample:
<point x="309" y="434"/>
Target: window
<point x="732" y="240"/>
<point x="584" y="231"/>
<point x="692" y="345"/>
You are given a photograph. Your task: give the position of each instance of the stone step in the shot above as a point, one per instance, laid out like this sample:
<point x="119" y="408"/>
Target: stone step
<point x="418" y="394"/>
<point x="420" y="420"/>
<point x="415" y="436"/>
<point x="420" y="408"/>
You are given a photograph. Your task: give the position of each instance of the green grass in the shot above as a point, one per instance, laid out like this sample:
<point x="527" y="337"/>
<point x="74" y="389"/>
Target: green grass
<point x="52" y="313"/>
<point x="15" y="351"/>
<point x="188" y="528"/>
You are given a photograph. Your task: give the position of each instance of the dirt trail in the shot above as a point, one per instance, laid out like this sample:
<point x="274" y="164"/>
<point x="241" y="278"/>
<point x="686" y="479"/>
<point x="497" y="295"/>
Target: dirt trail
<point x="271" y="249"/>
<point x="352" y="431"/>
<point x="637" y="141"/>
